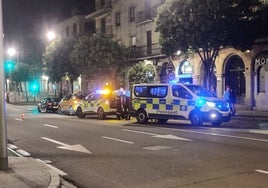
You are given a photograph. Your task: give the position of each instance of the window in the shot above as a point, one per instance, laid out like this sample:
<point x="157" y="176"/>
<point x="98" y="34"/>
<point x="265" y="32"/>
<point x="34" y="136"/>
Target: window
<point x="151" y="91"/>
<point x="103" y="26"/>
<point x="132" y="14"/>
<point x="149" y="42"/>
<point x="133" y="41"/>
<point x="178" y="91"/>
<point x="74" y="29"/>
<point x="67" y="31"/>
<point x="117" y="19"/>
<point x="102" y="3"/>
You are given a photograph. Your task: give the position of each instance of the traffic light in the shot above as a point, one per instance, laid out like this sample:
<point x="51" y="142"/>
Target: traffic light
<point x="9" y="65"/>
<point x="34" y="86"/>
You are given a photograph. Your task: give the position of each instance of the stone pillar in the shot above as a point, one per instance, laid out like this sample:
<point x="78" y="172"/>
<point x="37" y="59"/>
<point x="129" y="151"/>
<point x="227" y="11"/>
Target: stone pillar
<point x="196" y="79"/>
<point x="220" y="85"/>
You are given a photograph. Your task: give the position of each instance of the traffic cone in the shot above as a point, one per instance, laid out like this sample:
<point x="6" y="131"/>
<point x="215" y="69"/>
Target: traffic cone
<point x="22" y="116"/>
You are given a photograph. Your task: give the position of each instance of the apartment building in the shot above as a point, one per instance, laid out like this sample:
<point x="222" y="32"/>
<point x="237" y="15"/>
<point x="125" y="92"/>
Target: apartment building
<point x="131" y="22"/>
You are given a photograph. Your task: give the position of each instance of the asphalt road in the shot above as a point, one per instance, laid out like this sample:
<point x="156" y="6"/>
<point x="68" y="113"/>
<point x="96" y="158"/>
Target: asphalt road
<point x="123" y="154"/>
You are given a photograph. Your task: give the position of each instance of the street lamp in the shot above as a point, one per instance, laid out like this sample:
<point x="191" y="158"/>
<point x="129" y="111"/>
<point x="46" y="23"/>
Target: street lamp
<point x="51" y="35"/>
<point x="13" y="52"/>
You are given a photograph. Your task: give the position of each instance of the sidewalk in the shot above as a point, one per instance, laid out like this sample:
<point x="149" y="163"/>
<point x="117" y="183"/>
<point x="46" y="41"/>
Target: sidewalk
<point x="27" y="172"/>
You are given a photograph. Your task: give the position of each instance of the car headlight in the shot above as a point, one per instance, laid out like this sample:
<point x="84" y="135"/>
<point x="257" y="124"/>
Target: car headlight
<point x="211" y="104"/>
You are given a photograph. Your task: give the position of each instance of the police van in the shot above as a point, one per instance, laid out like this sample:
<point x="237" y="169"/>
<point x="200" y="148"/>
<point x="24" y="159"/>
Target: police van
<point x="177" y="101"/>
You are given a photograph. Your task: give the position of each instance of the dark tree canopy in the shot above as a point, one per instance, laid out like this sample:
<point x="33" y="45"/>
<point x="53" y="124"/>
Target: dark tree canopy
<point x="205" y="26"/>
<point x="99" y="54"/>
<point x="57" y="60"/>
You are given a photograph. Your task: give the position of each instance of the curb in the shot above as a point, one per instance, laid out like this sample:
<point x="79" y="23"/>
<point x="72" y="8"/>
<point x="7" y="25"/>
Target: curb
<point x="54" y="176"/>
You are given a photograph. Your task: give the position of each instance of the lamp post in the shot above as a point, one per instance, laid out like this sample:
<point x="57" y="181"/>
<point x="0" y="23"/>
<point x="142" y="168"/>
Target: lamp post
<point x="3" y="127"/>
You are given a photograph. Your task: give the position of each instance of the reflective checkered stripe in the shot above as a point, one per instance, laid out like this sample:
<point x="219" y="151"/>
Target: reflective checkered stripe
<point x="151" y="104"/>
<point x="94" y="105"/>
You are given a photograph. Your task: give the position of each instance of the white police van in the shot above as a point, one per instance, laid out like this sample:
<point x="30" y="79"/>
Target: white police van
<point x="177" y="101"/>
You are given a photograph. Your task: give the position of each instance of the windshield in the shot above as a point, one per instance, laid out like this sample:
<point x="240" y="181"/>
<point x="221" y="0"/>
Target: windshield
<point x="199" y="91"/>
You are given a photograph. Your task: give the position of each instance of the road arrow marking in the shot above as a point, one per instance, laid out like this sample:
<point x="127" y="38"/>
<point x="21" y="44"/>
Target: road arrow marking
<point x="77" y="147"/>
<point x="168" y="136"/>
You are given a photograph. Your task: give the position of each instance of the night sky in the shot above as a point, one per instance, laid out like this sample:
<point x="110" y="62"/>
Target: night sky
<point x="30" y="19"/>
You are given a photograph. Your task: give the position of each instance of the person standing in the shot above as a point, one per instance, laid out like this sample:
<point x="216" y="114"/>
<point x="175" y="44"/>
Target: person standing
<point x="213" y="91"/>
<point x="227" y="96"/>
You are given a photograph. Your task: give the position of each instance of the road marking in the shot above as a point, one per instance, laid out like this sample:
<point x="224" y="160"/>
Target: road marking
<point x="222" y="135"/>
<point x="23" y="153"/>
<point x="52" y="126"/>
<point x="119" y="140"/>
<point x="77" y="147"/>
<point x="156" y="148"/>
<point x="18" y="119"/>
<point x="262" y="171"/>
<point x="168" y="136"/>
<point x="256" y="131"/>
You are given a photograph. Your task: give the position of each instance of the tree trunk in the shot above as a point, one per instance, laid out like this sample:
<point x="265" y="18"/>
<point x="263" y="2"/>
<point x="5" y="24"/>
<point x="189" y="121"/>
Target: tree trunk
<point x="26" y="92"/>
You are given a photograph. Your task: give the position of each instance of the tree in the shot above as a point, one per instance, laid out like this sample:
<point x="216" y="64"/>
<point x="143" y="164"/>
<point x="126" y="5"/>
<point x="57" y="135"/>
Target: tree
<point x="57" y="60"/>
<point x="21" y="74"/>
<point x="98" y="55"/>
<point x="141" y="73"/>
<point x="205" y="26"/>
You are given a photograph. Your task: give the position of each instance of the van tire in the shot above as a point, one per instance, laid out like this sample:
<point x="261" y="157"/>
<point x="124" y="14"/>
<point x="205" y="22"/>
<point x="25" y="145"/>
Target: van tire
<point x="80" y="113"/>
<point x="100" y="113"/>
<point x="142" y="116"/>
<point x="196" y="118"/>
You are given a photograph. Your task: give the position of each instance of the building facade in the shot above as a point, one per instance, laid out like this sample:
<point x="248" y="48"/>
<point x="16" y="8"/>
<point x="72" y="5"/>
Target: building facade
<point x="131" y="22"/>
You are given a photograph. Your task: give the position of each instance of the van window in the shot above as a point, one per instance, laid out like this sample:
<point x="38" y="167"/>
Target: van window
<point x="151" y="91"/>
<point x="181" y="92"/>
<point x="199" y="91"/>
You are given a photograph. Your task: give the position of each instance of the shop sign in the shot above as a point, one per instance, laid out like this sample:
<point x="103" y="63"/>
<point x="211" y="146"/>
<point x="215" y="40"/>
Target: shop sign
<point x="261" y="61"/>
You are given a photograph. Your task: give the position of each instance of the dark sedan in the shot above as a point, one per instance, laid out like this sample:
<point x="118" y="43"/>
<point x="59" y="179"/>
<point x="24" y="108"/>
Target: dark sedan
<point x="48" y="104"/>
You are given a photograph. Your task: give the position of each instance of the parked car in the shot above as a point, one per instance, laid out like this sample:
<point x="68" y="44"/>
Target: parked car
<point x="48" y="104"/>
<point x="100" y="103"/>
<point x="69" y="103"/>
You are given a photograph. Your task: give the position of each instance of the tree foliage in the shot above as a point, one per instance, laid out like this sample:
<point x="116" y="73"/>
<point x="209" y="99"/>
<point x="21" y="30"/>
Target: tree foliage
<point x="205" y="26"/>
<point x="58" y="62"/>
<point x="99" y="54"/>
<point x="141" y="73"/>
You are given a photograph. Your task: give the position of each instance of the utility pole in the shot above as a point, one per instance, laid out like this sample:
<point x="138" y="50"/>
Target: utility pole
<point x="3" y="127"/>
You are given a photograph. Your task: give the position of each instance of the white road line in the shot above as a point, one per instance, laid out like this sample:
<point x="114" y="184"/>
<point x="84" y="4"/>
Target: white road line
<point x="222" y="135"/>
<point x="54" y="141"/>
<point x="262" y="171"/>
<point x="141" y="132"/>
<point x="119" y="140"/>
<point x="18" y="119"/>
<point x="168" y="136"/>
<point x="52" y="126"/>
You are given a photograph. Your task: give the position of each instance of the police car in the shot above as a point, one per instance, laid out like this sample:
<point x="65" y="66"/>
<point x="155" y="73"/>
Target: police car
<point x="177" y="101"/>
<point x="101" y="103"/>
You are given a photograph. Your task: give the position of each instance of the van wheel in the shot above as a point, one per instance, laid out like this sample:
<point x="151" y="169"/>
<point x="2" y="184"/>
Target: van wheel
<point x="80" y="113"/>
<point x="162" y="120"/>
<point x="100" y="113"/>
<point x="142" y="116"/>
<point x="196" y="118"/>
<point x="216" y="123"/>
